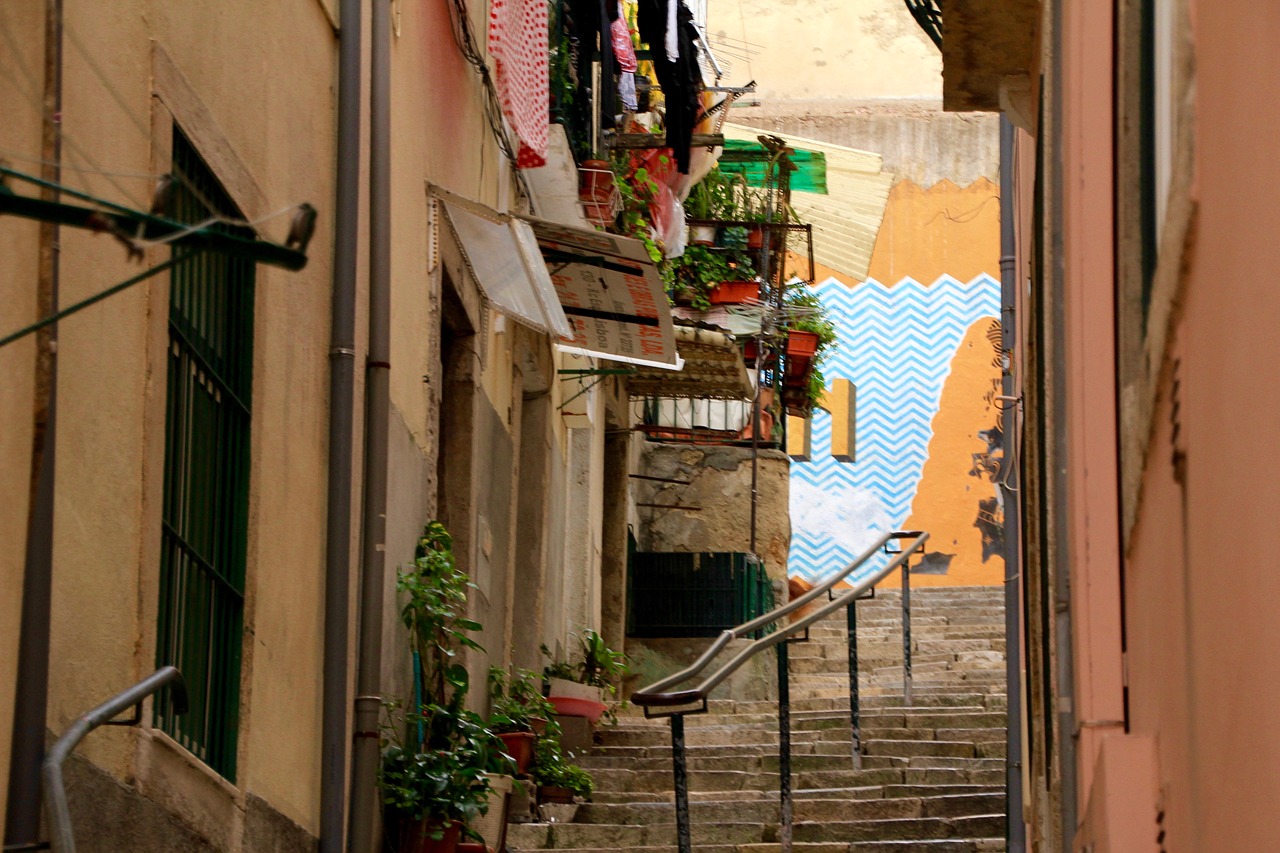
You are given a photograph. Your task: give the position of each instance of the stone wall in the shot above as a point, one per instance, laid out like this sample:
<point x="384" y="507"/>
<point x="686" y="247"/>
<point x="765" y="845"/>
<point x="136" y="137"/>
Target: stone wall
<point x="720" y="488"/>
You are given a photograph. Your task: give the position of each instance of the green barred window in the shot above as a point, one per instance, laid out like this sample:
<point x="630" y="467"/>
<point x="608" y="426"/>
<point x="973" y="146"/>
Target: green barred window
<point x="206" y="479"/>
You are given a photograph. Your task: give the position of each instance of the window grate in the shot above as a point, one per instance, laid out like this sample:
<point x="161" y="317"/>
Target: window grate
<point x="206" y="485"/>
<point x="694" y="595"/>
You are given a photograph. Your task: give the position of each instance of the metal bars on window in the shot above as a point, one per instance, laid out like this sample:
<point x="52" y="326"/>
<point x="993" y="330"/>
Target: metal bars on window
<point x="206" y="483"/>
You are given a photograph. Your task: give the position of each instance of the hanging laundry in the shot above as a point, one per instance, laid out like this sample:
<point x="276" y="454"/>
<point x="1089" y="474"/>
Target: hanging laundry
<point x="625" y="53"/>
<point x="593" y="25"/>
<point x="518" y="44"/>
<point x="681" y="79"/>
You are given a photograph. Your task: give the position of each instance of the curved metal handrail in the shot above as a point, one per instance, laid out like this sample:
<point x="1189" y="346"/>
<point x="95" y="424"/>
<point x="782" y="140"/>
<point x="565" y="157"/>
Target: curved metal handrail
<point x="657" y="695"/>
<point x="54" y="790"/>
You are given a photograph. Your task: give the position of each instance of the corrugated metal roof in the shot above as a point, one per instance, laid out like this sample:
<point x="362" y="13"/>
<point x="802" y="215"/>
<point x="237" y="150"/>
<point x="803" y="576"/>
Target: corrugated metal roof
<point x="847" y="219"/>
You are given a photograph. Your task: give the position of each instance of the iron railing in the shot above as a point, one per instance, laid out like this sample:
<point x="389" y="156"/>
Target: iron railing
<point x="55" y="791"/>
<point x="676" y="703"/>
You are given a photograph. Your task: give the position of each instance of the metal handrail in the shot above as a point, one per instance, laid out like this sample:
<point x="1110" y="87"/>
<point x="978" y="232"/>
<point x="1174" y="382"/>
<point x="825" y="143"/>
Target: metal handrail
<point x="655" y="696"/>
<point x="682" y="702"/>
<point x="54" y="790"/>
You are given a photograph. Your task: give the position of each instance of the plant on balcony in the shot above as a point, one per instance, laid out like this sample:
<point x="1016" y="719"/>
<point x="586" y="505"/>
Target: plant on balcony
<point x="710" y="200"/>
<point x="638" y="190"/>
<point x="694" y="273"/>
<point x="805" y="313"/>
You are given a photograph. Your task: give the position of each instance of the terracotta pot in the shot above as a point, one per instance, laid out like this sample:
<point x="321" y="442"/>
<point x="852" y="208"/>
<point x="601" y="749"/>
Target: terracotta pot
<point x="755" y="237"/>
<point x="519" y="745"/>
<point x="734" y="292"/>
<point x="414" y="836"/>
<point x="802" y="343"/>
<point x="554" y="794"/>
<point x="472" y="847"/>
<point x="595" y="180"/>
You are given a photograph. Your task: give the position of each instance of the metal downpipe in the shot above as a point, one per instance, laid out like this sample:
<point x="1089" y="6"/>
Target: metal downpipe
<point x="368" y="702"/>
<point x="1016" y="830"/>
<point x="342" y="354"/>
<point x="31" y="699"/>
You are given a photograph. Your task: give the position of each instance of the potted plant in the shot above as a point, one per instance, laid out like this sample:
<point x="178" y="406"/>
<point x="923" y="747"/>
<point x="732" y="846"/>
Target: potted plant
<point x="579" y="688"/>
<point x="558" y="780"/>
<point x="436" y="754"/>
<point x="518" y="712"/>
<point x="710" y="199"/>
<point x="810" y="332"/>
<point x="696" y="274"/>
<point x="433" y="776"/>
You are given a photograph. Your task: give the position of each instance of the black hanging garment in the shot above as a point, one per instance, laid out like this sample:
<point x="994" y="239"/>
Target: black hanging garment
<point x="591" y="22"/>
<point x="681" y="81"/>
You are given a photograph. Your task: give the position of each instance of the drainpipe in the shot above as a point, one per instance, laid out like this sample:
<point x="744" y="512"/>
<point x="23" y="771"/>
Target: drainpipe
<point x="1058" y="462"/>
<point x="1015" y="829"/>
<point x="31" y="700"/>
<point x="368" y="705"/>
<point x="342" y="355"/>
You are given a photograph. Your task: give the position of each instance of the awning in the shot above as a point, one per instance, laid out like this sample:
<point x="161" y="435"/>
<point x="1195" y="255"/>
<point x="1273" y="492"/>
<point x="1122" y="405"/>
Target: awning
<point x="502" y="256"/>
<point x="611" y="292"/>
<point x="713" y="369"/>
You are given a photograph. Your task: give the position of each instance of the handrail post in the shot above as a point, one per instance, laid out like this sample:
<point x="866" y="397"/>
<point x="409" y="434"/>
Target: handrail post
<point x="854" y="709"/>
<point x="907" y="699"/>
<point x="679" y="766"/>
<point x="784" y="745"/>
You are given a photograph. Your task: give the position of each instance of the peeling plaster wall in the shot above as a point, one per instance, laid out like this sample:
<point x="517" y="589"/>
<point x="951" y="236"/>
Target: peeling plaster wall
<point x="721" y="486"/>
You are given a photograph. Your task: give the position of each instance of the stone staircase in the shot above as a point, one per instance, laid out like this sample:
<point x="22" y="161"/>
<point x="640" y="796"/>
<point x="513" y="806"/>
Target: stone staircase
<point x="932" y="777"/>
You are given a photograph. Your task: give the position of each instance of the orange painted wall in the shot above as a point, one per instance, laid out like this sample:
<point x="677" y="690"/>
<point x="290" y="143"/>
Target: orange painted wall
<point x="942" y="230"/>
<point x="928" y="233"/>
<point x="957" y="501"/>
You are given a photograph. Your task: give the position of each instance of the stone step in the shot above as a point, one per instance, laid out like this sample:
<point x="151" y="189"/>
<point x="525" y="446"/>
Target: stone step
<point x="660" y="781"/>
<point x="806" y="809"/>
<point x="933" y="845"/>
<point x="912" y="829"/>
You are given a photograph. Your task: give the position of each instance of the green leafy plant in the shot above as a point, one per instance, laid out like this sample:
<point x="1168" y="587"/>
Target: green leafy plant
<point x="594" y="663"/>
<point x="712" y="198"/>
<point x="436" y="753"/>
<point x="516" y="700"/>
<point x="434" y="613"/>
<point x="806" y="313"/>
<point x="552" y="768"/>
<point x="695" y="273"/>
<point x="638" y="190"/>
<point x="442" y="777"/>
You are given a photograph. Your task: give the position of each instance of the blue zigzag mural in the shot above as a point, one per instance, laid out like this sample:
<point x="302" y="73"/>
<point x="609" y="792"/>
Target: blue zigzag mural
<point x="895" y="345"/>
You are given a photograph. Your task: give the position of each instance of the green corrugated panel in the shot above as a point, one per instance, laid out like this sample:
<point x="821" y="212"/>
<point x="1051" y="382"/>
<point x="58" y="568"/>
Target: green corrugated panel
<point x="811" y="166"/>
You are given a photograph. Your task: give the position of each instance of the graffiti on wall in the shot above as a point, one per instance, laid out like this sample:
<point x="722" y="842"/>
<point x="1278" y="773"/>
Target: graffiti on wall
<point x="898" y="345"/>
